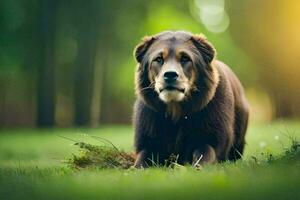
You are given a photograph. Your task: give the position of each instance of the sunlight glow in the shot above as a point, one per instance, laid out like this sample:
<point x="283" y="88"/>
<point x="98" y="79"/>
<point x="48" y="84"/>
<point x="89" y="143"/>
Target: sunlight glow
<point x="212" y="14"/>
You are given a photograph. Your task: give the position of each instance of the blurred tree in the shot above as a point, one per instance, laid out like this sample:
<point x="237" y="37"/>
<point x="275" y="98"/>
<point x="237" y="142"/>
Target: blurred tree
<point x="86" y="15"/>
<point x="118" y="39"/>
<point x="46" y="86"/>
<point x="19" y="59"/>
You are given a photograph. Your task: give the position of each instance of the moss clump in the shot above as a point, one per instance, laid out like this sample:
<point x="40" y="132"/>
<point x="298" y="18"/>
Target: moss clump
<point x="92" y="156"/>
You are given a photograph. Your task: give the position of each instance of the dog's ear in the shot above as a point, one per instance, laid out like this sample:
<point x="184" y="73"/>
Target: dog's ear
<point x="206" y="49"/>
<point x="141" y="49"/>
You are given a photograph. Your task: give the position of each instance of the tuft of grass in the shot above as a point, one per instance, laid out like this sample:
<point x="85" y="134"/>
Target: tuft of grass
<point x="289" y="155"/>
<point x="292" y="153"/>
<point x="101" y="157"/>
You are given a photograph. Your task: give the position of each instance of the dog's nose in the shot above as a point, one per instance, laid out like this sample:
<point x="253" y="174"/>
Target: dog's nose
<point x="170" y="76"/>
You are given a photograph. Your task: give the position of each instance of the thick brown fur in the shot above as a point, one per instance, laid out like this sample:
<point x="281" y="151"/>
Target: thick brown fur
<point x="208" y="126"/>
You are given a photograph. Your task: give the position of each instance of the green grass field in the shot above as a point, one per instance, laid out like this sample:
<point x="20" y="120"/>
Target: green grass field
<point x="32" y="167"/>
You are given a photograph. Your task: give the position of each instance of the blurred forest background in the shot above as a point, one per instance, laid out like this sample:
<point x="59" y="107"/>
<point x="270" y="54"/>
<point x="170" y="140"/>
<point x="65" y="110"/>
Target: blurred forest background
<point x="70" y="63"/>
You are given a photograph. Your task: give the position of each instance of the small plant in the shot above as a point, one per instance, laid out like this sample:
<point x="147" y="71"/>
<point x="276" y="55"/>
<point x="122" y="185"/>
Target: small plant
<point x="294" y="151"/>
<point x="291" y="153"/>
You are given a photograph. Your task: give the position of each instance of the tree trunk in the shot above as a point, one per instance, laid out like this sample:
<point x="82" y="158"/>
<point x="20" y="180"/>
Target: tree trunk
<point x="45" y="86"/>
<point x="98" y="85"/>
<point x="84" y="66"/>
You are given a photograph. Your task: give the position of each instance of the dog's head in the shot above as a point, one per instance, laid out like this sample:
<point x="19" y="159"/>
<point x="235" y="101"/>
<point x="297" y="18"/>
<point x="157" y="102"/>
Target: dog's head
<point x="174" y="65"/>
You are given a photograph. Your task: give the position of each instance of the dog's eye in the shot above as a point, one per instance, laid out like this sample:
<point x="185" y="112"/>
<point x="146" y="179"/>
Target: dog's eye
<point x="184" y="59"/>
<point x="160" y="60"/>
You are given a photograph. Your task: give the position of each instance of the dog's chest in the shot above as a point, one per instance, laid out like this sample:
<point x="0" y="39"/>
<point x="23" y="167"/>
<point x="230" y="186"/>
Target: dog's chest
<point x="174" y="142"/>
<point x="186" y="131"/>
<point x="177" y="135"/>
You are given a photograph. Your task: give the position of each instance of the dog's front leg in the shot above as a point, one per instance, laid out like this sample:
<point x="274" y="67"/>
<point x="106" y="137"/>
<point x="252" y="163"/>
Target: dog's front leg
<point x="204" y="155"/>
<point x="141" y="159"/>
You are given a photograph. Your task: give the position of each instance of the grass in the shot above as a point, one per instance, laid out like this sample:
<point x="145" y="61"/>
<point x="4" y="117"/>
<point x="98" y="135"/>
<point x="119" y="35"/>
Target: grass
<point x="31" y="167"/>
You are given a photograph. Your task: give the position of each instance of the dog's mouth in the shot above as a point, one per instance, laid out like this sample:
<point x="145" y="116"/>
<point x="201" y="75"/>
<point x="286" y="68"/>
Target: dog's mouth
<point x="172" y="88"/>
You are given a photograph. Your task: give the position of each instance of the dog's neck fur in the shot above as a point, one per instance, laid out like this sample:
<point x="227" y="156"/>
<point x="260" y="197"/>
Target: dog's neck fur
<point x="174" y="110"/>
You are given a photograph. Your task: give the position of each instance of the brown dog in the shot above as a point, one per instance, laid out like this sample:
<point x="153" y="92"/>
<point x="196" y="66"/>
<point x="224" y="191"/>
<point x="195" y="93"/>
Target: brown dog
<point x="188" y="104"/>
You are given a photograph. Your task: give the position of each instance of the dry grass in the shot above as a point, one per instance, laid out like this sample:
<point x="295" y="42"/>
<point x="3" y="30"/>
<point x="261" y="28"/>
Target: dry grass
<point x="93" y="156"/>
